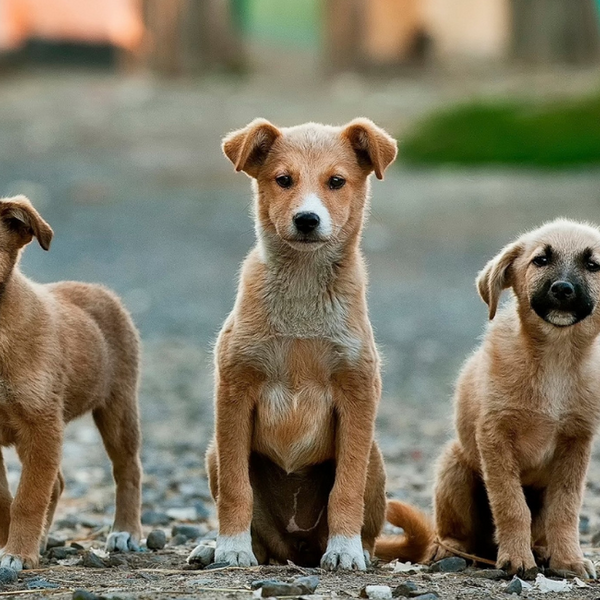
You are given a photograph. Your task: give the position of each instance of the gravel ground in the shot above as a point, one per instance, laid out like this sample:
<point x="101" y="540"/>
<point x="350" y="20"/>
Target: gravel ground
<point x="129" y="174"/>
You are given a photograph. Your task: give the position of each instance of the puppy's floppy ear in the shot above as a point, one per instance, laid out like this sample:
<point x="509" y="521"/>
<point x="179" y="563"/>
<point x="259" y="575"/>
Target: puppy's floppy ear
<point x="247" y="148"/>
<point x="375" y="149"/>
<point x="18" y="214"/>
<point x="497" y="276"/>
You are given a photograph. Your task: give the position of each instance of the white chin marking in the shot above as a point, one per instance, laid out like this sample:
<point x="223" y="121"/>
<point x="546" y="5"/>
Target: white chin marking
<point x="313" y="204"/>
<point x="560" y="318"/>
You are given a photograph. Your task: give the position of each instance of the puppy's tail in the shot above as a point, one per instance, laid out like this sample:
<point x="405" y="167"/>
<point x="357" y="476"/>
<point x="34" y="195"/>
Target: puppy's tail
<point x="414" y="545"/>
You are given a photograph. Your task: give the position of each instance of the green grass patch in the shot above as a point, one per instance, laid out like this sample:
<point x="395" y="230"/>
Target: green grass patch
<point x="561" y="134"/>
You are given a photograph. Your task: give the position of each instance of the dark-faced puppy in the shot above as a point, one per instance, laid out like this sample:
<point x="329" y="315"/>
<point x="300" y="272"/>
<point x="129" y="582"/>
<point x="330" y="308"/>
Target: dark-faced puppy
<point x="294" y="468"/>
<point x="527" y="407"/>
<point x="65" y="349"/>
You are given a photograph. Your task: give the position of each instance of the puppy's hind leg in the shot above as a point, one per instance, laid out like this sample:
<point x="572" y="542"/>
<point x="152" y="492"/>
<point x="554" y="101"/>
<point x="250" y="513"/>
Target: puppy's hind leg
<point x="455" y="505"/>
<point x="5" y="502"/>
<point x="118" y="423"/>
<point x="59" y="486"/>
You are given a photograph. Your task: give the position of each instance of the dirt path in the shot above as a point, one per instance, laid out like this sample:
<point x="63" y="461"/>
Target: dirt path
<point x="129" y="174"/>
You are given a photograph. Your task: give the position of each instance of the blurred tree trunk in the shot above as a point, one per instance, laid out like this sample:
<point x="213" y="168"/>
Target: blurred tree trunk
<point x="344" y="22"/>
<point x="187" y="37"/>
<point x="547" y="31"/>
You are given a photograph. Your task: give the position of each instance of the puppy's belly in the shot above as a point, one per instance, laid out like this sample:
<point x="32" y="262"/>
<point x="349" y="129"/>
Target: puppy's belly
<point x="295" y="428"/>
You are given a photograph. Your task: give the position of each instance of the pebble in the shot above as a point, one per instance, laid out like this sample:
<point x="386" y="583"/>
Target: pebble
<point x="405" y="590"/>
<point x="54" y="542"/>
<point x="84" y="595"/>
<point x="68" y="522"/>
<point x="117" y="560"/>
<point x="307" y="584"/>
<point x="514" y="587"/>
<point x="493" y="574"/>
<point x="8" y="575"/>
<point x="156" y="540"/>
<point x="190" y="532"/>
<point x="453" y="564"/>
<point x="154" y="518"/>
<point x="279" y="588"/>
<point x="178" y="540"/>
<point x="201" y="511"/>
<point x="427" y="596"/>
<point x="92" y="561"/>
<point x="260" y="582"/>
<point x="61" y="552"/>
<point x="41" y="584"/>
<point x="376" y="592"/>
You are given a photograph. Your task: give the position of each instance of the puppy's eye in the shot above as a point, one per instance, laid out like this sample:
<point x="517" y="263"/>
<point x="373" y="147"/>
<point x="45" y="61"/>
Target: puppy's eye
<point x="540" y="261"/>
<point x="592" y="266"/>
<point x="336" y="182"/>
<point x="284" y="181"/>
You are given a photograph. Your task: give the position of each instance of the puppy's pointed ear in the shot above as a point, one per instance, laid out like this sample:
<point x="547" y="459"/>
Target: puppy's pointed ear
<point x="25" y="222"/>
<point x="247" y="148"/>
<point x="497" y="276"/>
<point x="374" y="148"/>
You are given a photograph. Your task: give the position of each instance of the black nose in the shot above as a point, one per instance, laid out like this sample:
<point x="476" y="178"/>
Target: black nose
<point x="306" y="222"/>
<point x="562" y="290"/>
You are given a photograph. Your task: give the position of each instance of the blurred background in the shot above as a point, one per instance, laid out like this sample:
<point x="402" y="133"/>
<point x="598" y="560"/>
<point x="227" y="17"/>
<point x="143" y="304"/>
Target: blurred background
<point x="111" y="115"/>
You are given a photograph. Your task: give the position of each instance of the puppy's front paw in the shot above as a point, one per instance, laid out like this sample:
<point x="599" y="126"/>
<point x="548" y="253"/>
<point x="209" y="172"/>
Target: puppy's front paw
<point x="517" y="562"/>
<point x="17" y="562"/>
<point x="344" y="553"/>
<point x="122" y="541"/>
<point x="203" y="554"/>
<point x="577" y="564"/>
<point x="235" y="550"/>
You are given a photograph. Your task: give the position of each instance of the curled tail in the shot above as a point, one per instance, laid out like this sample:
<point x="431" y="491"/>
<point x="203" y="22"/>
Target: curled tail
<point x="415" y="543"/>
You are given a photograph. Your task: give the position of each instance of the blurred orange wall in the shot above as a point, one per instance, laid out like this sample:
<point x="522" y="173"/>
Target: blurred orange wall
<point x="116" y="22"/>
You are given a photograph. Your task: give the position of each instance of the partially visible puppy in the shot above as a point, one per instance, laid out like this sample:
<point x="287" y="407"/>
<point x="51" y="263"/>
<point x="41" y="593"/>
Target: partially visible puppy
<point x="527" y="407"/>
<point x="65" y="349"/>
<point x="294" y="468"/>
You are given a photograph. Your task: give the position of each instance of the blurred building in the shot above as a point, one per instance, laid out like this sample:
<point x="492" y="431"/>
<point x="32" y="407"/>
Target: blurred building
<point x="114" y="22"/>
<point x="184" y="37"/>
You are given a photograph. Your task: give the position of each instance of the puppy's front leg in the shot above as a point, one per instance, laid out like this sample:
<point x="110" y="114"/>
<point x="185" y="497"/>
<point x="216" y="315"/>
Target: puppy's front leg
<point x="356" y="401"/>
<point x="39" y="449"/>
<point x="562" y="505"/>
<point x="234" y="412"/>
<point x="512" y="517"/>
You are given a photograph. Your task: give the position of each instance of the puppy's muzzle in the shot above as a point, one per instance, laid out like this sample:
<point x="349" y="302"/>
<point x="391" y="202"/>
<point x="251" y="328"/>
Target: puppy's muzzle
<point x="306" y="222"/>
<point x="562" y="302"/>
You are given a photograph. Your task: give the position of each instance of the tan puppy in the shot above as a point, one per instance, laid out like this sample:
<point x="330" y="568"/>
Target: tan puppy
<point x="527" y="407"/>
<point x="65" y="349"/>
<point x="297" y="371"/>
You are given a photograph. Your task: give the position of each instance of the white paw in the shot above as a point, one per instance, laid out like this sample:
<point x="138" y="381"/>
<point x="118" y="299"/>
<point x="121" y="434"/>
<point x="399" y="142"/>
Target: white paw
<point x="235" y="550"/>
<point x="203" y="554"/>
<point x="121" y="541"/>
<point x="12" y="562"/>
<point x="344" y="553"/>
